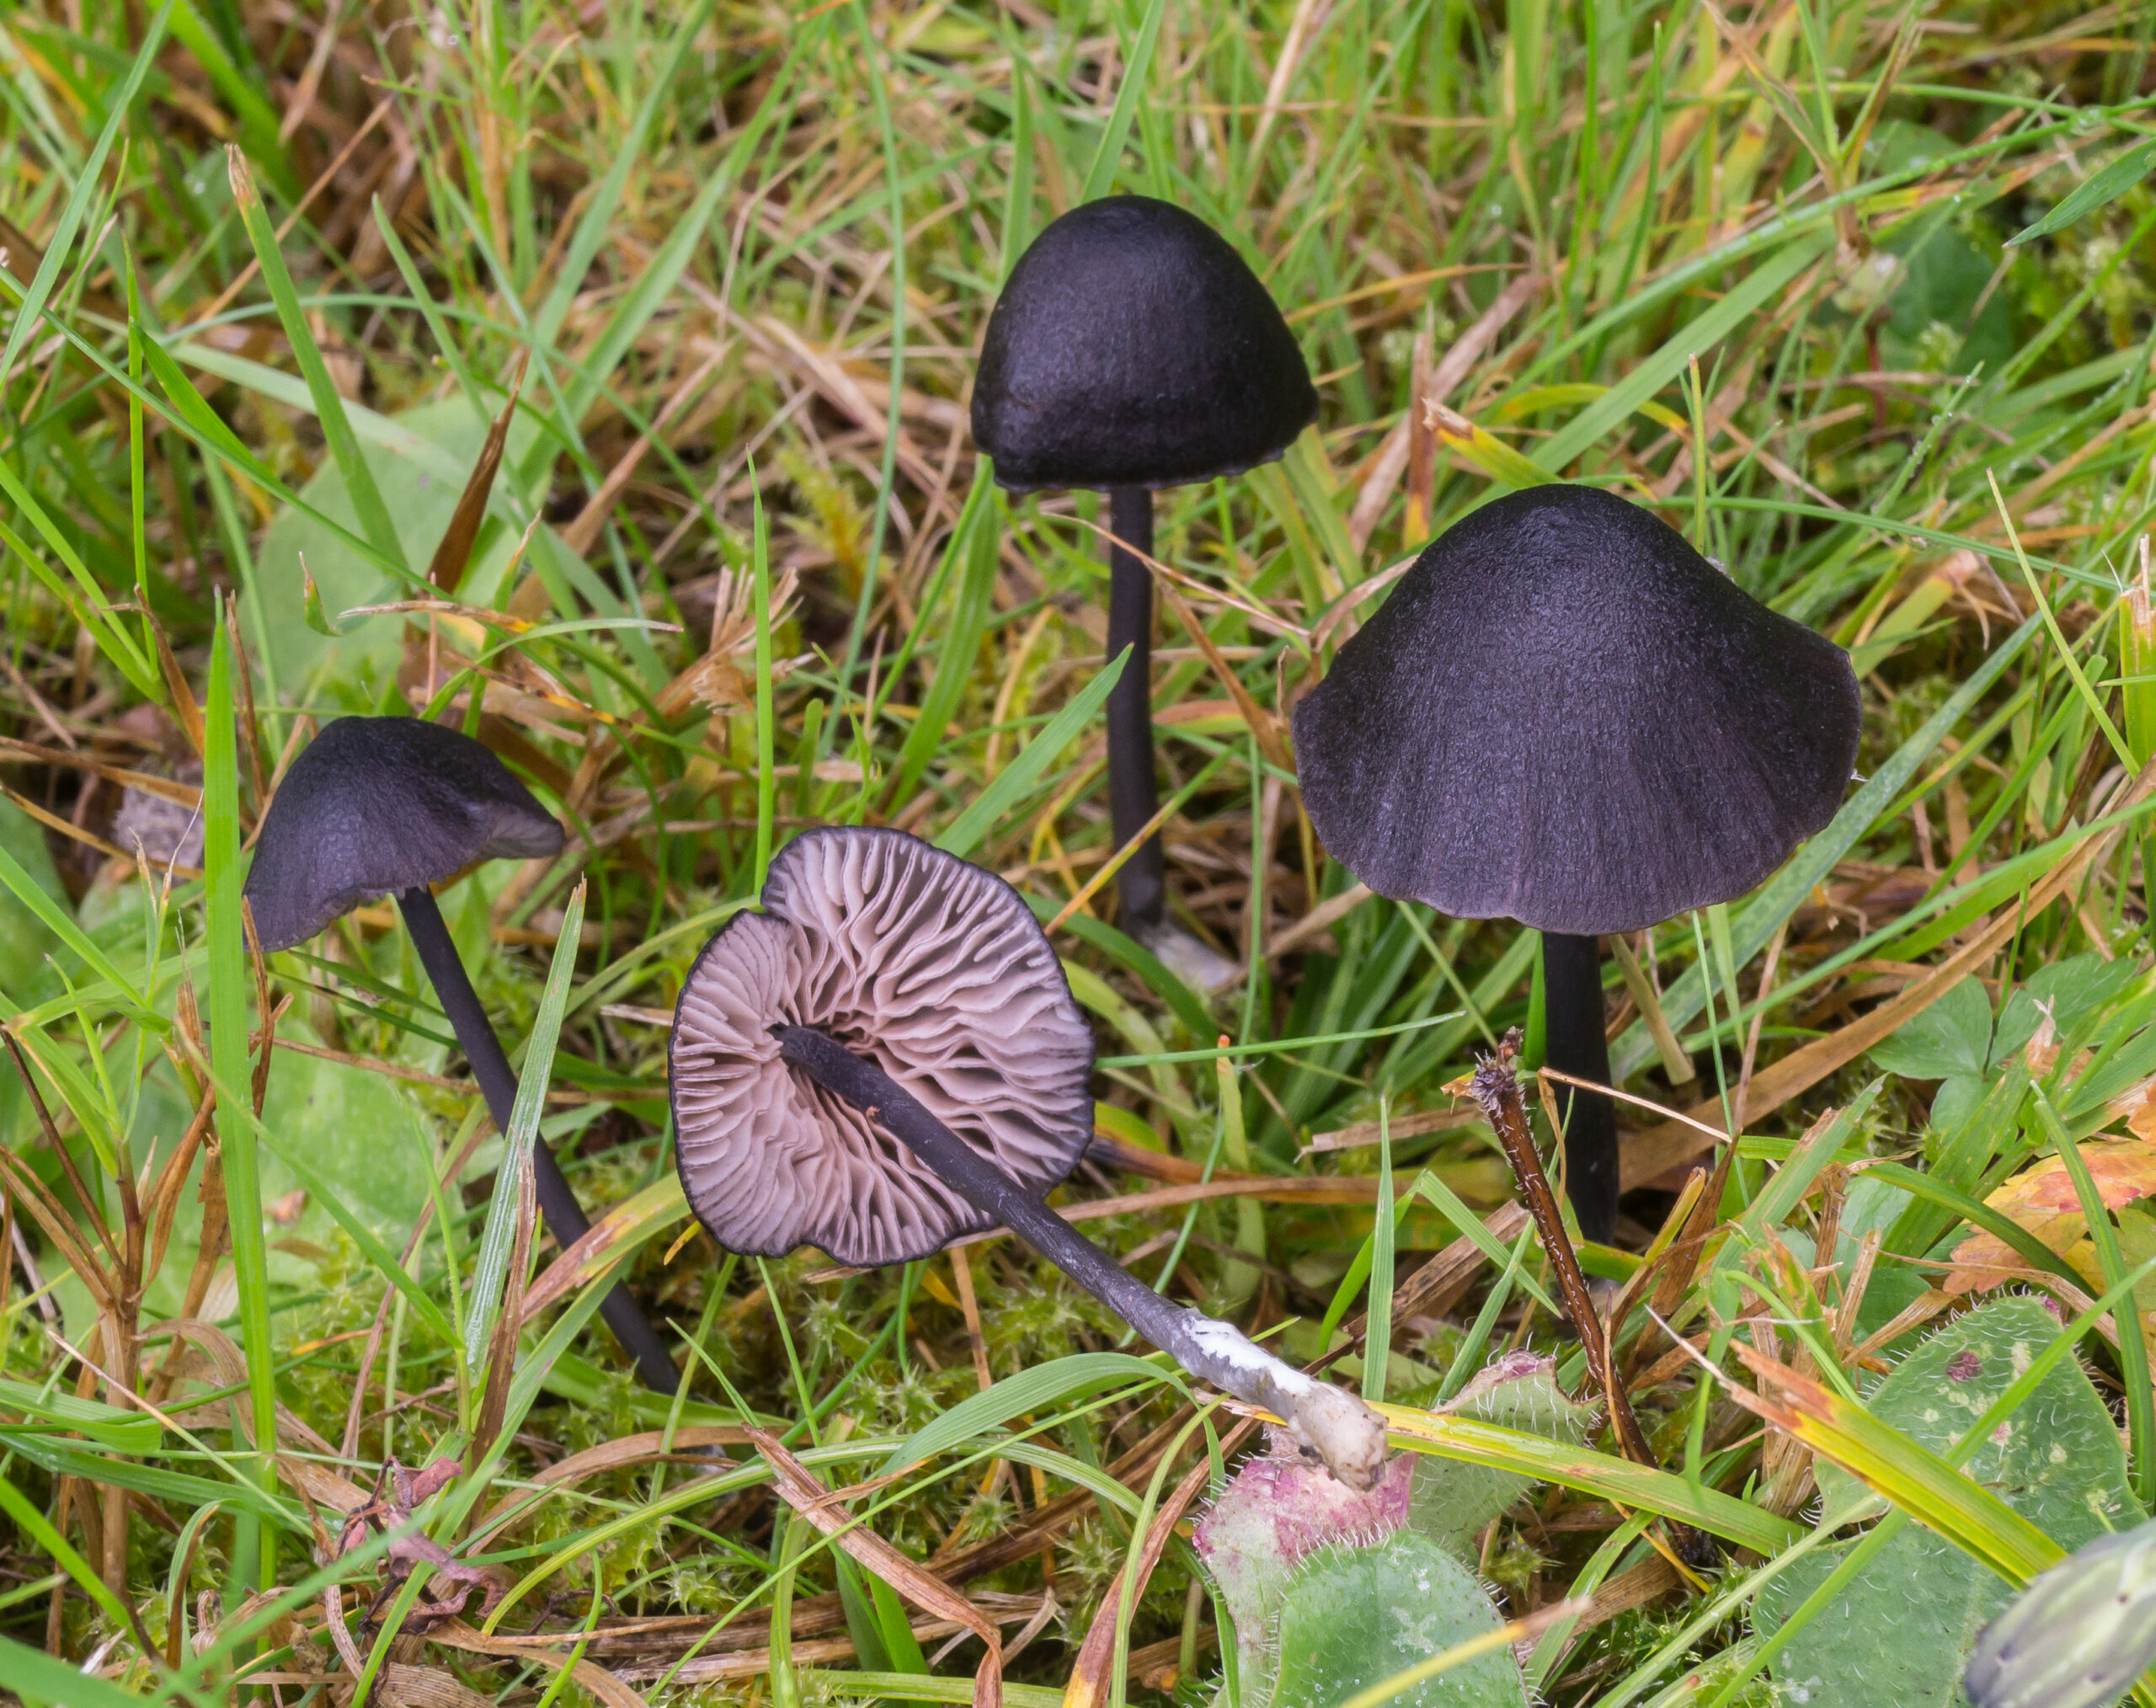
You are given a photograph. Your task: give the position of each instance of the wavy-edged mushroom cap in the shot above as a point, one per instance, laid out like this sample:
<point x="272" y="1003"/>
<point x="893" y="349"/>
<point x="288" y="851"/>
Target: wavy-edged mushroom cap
<point x="1133" y="347"/>
<point x="930" y="967"/>
<point x="1564" y="715"/>
<point x="379" y="804"/>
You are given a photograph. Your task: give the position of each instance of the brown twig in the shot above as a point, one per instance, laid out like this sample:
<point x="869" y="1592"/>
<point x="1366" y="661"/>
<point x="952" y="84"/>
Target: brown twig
<point x="1495" y="1087"/>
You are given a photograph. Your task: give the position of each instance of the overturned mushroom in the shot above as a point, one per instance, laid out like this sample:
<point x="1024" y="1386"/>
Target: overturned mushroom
<point x="390" y="806"/>
<point x="889" y="1057"/>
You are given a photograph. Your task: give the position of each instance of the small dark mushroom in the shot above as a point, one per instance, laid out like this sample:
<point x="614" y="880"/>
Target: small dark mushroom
<point x="888" y="1058"/>
<point x="1566" y="716"/>
<point x="1133" y="348"/>
<point x="389" y="806"/>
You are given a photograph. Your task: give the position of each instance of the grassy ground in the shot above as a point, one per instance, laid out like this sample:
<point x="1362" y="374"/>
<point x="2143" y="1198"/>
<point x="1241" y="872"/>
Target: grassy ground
<point x="270" y="271"/>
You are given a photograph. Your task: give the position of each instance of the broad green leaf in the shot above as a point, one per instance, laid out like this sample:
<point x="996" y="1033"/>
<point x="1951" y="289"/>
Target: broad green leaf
<point x="1953" y="1036"/>
<point x="1901" y="1631"/>
<point x="25" y="938"/>
<point x="422" y="493"/>
<point x="32" y="895"/>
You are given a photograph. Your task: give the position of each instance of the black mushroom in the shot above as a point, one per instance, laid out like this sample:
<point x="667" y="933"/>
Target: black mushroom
<point x="1132" y="349"/>
<point x="887" y="1058"/>
<point x="390" y="806"/>
<point x="1566" y="716"/>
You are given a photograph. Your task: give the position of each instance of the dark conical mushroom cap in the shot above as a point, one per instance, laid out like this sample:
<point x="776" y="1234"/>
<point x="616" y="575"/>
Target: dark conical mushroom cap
<point x="1564" y="715"/>
<point x="1132" y="347"/>
<point x="914" y="958"/>
<point x="377" y="805"/>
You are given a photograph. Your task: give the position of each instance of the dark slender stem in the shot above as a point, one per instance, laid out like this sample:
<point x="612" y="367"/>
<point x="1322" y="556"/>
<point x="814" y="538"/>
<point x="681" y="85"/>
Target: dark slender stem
<point x="1338" y="1427"/>
<point x="1576" y="1045"/>
<point x="1495" y="1087"/>
<point x="564" y="1216"/>
<point x="1141" y="887"/>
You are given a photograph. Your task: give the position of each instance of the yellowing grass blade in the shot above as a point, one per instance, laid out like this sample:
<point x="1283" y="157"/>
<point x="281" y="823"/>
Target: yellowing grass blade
<point x="1637" y="1487"/>
<point x="1904" y="1471"/>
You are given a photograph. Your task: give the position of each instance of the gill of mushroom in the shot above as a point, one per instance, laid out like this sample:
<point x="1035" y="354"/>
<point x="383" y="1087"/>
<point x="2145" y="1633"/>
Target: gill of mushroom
<point x="1133" y="348"/>
<point x="887" y="1058"/>
<point x="392" y="806"/>
<point x="1563" y="714"/>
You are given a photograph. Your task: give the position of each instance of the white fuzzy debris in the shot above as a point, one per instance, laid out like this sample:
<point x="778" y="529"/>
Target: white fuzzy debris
<point x="1327" y="1421"/>
<point x="1241" y="1356"/>
<point x="1344" y="1433"/>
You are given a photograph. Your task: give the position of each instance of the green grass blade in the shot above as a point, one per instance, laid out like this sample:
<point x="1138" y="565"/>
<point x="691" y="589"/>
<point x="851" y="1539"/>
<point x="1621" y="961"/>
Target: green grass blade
<point x="490" y="1271"/>
<point x="86" y="190"/>
<point x="971" y="545"/>
<point x="1916" y="1480"/>
<point x="1741" y="300"/>
<point x="2103" y="186"/>
<point x="226" y="990"/>
<point x="1138" y="63"/>
<point x="27" y="890"/>
<point x="1597" y="1474"/>
<point x="46" y="1679"/>
<point x="324" y="1192"/>
<point x="1377" y="1315"/>
<point x="1783" y="894"/>
<point x="85" y="598"/>
<point x="595" y="228"/>
<point x="367" y="503"/>
<point x="767" y="732"/>
<point x="1045" y="1384"/>
<point x="109" y="1427"/>
<point x="1012" y="782"/>
<point x="37" y="1528"/>
<point x="2133" y="1345"/>
<point x="258" y="122"/>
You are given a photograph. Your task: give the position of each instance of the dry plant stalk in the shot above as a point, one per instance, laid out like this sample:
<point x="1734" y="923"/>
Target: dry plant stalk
<point x="802" y="1489"/>
<point x="1495" y="1087"/>
<point x="1089" y="1678"/>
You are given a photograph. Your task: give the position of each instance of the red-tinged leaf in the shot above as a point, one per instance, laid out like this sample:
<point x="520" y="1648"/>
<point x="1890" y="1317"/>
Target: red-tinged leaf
<point x="2041" y="1199"/>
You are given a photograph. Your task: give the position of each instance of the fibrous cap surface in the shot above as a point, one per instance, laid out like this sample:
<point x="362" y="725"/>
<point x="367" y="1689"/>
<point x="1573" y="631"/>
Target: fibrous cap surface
<point x="1132" y="346"/>
<point x="1566" y="716"/>
<point x="932" y="968"/>
<point x="379" y="804"/>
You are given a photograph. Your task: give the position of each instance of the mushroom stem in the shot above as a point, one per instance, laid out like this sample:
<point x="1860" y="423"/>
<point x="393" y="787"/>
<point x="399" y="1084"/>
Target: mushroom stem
<point x="1331" y="1424"/>
<point x="564" y="1216"/>
<point x="1141" y="886"/>
<point x="1575" y="1043"/>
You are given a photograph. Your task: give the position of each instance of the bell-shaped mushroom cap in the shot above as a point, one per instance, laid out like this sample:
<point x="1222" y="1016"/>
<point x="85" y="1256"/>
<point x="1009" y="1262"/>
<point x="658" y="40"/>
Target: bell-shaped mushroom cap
<point x="377" y="805"/>
<point x="1564" y="715"/>
<point x="1132" y="347"/>
<point x="932" y="968"/>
